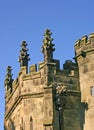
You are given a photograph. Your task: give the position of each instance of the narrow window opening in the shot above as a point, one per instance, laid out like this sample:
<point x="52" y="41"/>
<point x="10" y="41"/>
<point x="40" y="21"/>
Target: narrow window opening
<point x="31" y="123"/>
<point x="92" y="90"/>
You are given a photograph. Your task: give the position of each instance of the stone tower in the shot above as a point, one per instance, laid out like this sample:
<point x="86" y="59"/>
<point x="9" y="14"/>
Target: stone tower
<point x="45" y="99"/>
<point x="85" y="59"/>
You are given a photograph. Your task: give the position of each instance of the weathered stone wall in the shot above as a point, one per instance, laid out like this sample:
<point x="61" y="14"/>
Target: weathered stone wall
<point x="31" y="105"/>
<point x="30" y="99"/>
<point x="74" y="112"/>
<point x="30" y="102"/>
<point x="85" y="58"/>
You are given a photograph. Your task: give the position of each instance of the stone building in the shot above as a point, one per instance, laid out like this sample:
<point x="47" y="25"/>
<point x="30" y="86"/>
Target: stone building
<point x="50" y="98"/>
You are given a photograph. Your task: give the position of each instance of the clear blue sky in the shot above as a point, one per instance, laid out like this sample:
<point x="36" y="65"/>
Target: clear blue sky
<point x="26" y="20"/>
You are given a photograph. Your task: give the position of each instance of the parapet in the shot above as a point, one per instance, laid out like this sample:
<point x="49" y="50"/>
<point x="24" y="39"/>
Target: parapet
<point x="70" y="68"/>
<point x="33" y="68"/>
<point x="84" y="45"/>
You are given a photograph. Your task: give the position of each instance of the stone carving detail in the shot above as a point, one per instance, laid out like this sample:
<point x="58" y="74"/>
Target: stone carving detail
<point x="60" y="101"/>
<point x="8" y="80"/>
<point x="47" y="48"/>
<point x="61" y="89"/>
<point x="24" y="56"/>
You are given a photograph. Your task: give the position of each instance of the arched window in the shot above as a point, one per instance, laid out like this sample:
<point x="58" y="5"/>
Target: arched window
<point x="31" y="123"/>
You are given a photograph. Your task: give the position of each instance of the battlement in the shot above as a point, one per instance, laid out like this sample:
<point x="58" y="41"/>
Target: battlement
<point x="33" y="68"/>
<point x="31" y="99"/>
<point x="37" y="76"/>
<point x="84" y="45"/>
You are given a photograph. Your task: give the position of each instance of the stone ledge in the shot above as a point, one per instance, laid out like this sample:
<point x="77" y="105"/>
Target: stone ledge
<point x="48" y="121"/>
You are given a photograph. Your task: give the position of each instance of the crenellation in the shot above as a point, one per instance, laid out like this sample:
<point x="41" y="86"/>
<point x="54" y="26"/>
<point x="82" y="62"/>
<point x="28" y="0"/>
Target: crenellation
<point x="69" y="65"/>
<point x="36" y="75"/>
<point x="57" y="62"/>
<point x="70" y="68"/>
<point x="26" y="77"/>
<point x="33" y="68"/>
<point x="78" y="44"/>
<point x="32" y="103"/>
<point x="91" y="36"/>
<point x="84" y="45"/>
<point x="41" y="65"/>
<point x="85" y="61"/>
<point x="84" y="39"/>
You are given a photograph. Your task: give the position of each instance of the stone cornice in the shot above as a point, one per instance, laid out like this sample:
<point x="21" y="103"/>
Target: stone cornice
<point x="86" y="51"/>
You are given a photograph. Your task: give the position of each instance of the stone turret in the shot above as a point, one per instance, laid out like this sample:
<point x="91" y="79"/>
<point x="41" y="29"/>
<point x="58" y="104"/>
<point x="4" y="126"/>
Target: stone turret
<point x="84" y="48"/>
<point x="47" y="48"/>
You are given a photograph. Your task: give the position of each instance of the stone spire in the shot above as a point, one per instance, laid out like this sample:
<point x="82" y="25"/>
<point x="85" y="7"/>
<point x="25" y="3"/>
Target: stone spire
<point x="24" y="56"/>
<point x="8" y="80"/>
<point x="47" y="48"/>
